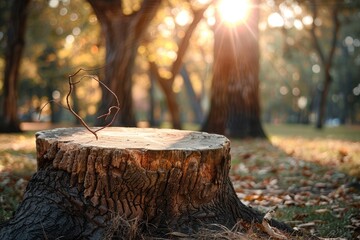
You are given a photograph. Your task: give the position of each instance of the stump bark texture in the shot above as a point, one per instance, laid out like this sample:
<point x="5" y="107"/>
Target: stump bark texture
<point x="169" y="180"/>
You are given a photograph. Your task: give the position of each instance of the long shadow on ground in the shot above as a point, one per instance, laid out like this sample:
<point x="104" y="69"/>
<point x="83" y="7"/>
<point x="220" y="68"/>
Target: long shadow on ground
<point x="319" y="199"/>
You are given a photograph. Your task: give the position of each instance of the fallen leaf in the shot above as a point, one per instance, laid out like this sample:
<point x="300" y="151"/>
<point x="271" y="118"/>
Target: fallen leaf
<point x="306" y="225"/>
<point x="323" y="197"/>
<point x="322" y="210"/>
<point x="339" y="209"/>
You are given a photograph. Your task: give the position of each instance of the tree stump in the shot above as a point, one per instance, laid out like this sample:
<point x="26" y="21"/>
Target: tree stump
<point x="168" y="180"/>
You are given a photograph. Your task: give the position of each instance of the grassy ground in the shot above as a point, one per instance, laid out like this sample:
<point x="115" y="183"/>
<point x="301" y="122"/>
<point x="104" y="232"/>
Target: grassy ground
<point x="338" y="147"/>
<point x="348" y="133"/>
<point x="311" y="177"/>
<point x="17" y="164"/>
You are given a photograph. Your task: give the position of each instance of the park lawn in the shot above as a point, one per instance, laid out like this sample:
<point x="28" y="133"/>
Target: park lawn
<point x="307" y="195"/>
<point x="309" y="176"/>
<point x="348" y="133"/>
<point x="312" y="177"/>
<point x="17" y="164"/>
<point x="338" y="147"/>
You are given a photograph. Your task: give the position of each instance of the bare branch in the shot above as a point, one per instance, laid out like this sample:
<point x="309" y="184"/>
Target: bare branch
<point x="54" y="101"/>
<point x="313" y="33"/>
<point x="185" y="41"/>
<point x="69" y="107"/>
<point x="71" y="86"/>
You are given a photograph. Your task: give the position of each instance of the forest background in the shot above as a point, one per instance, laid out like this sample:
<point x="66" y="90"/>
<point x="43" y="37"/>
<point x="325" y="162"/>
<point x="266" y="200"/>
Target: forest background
<point x="295" y="55"/>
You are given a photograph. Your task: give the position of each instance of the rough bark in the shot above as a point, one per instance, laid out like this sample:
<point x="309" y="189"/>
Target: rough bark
<point x="9" y="121"/>
<point x="122" y="35"/>
<point x="169" y="180"/>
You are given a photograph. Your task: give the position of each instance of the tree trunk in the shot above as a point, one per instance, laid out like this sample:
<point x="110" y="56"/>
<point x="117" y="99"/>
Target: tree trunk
<point x="194" y="102"/>
<point x="9" y="121"/>
<point x="244" y="104"/>
<point x="169" y="180"/>
<point x="235" y="106"/>
<point x="166" y="84"/>
<point x="122" y="35"/>
<point x="324" y="92"/>
<point x="171" y="102"/>
<point x="325" y="61"/>
<point x="153" y="120"/>
<point x="224" y="51"/>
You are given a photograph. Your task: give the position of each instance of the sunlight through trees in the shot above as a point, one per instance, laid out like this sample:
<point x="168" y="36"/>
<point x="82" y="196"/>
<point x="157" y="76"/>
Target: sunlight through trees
<point x="178" y="36"/>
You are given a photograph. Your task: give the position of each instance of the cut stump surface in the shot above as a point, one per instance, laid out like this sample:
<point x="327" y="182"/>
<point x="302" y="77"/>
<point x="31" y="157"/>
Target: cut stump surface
<point x="169" y="180"/>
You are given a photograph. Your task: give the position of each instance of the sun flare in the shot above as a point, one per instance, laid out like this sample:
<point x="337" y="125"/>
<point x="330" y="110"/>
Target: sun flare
<point x="233" y="12"/>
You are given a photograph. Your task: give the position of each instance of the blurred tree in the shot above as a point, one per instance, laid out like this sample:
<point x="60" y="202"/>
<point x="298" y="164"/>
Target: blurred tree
<point x="166" y="82"/>
<point x="123" y="25"/>
<point x="244" y="104"/>
<point x="292" y="64"/>
<point x="346" y="92"/>
<point x="235" y="88"/>
<point x="194" y="102"/>
<point x="64" y="43"/>
<point x="9" y="121"/>
<point x="284" y="45"/>
<point x="5" y="9"/>
<point x="224" y="54"/>
<point x="326" y="60"/>
<point x="48" y="65"/>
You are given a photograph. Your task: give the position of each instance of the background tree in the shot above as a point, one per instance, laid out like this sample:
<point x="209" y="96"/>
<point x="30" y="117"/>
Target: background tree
<point x="244" y="104"/>
<point x="293" y="71"/>
<point x="69" y="32"/>
<point x="48" y="64"/>
<point x="235" y="88"/>
<point x="166" y="83"/>
<point x="123" y="25"/>
<point x="9" y="121"/>
<point x="326" y="61"/>
<point x="290" y="74"/>
<point x="224" y="53"/>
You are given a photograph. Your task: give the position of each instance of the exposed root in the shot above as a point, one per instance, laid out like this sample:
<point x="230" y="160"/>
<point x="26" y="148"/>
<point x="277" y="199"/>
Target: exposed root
<point x="273" y="232"/>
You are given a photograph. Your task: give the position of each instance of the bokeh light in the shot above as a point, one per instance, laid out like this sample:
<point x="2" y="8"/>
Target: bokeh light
<point x="233" y="12"/>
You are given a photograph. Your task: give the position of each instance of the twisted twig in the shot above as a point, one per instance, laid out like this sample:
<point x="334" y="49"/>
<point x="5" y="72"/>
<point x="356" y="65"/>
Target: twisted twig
<point x="71" y="87"/>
